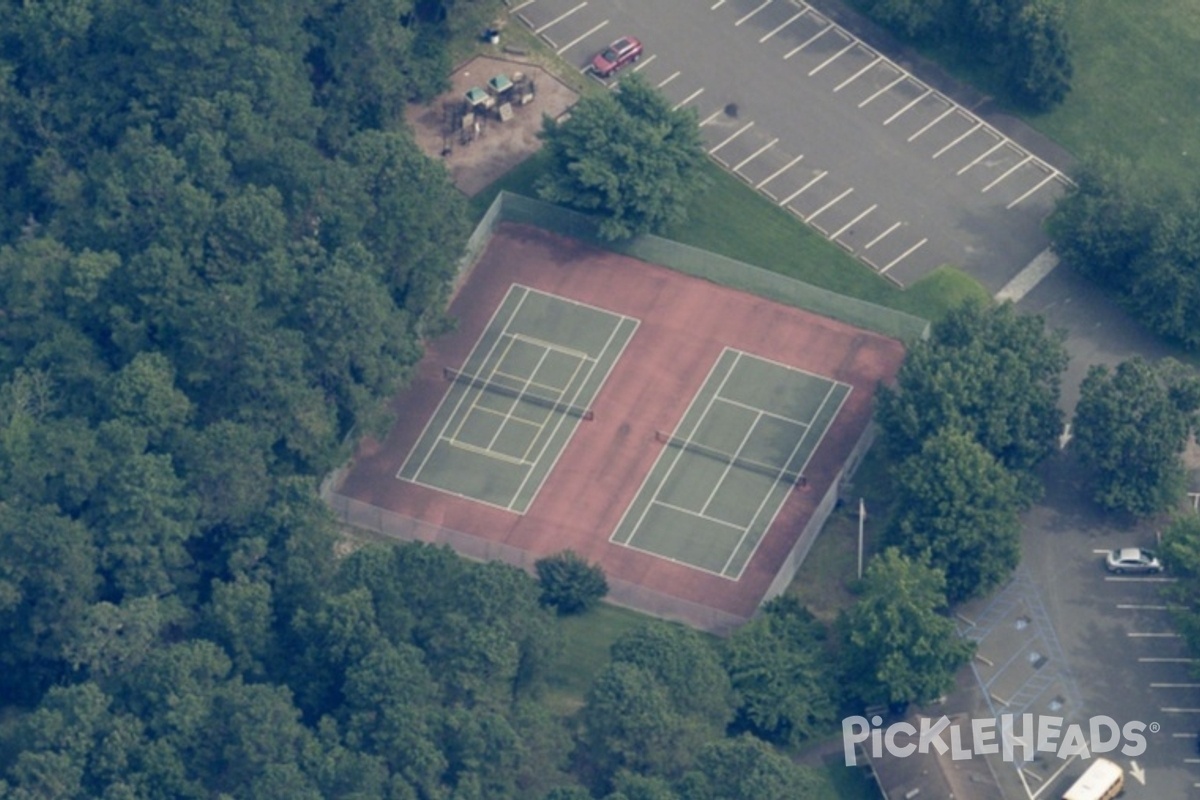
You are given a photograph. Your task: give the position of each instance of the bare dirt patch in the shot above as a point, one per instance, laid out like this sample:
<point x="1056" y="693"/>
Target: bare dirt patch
<point x="485" y="154"/>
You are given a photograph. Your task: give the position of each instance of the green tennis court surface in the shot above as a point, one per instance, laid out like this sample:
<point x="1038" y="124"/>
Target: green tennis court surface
<point x="726" y="469"/>
<point x="512" y="406"/>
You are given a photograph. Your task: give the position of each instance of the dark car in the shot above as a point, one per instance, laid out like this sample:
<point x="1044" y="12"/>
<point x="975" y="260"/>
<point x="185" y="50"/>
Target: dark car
<point x="1132" y="559"/>
<point x="625" y="50"/>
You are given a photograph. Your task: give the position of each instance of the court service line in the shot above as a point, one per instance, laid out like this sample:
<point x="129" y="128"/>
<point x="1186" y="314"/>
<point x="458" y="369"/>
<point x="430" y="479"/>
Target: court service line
<point x="756" y="154"/>
<point x="516" y="400"/>
<point x="976" y="127"/>
<point x="909" y="105"/>
<point x="560" y="392"/>
<point x="904" y="255"/>
<point x="579" y="39"/>
<point x="779" y="171"/>
<point x="982" y="156"/>
<point x="878" y="92"/>
<point x="687" y="99"/>
<point x="733" y="136"/>
<point x="879" y="238"/>
<point x="711" y="371"/>
<point x="1010" y="171"/>
<point x="1054" y="174"/>
<point x="672" y="77"/>
<point x="857" y="75"/>
<point x="810" y="40"/>
<point x="766" y="3"/>
<point x="679" y="453"/>
<point x="477" y="397"/>
<point x="728" y="467"/>
<point x="701" y="515"/>
<point x="574" y="401"/>
<point x="845" y="227"/>
<point x="834" y="57"/>
<point x="483" y="451"/>
<point x="782" y="418"/>
<point x="803" y="188"/>
<point x="791" y="19"/>
<point x="828" y="205"/>
<point x="560" y="18"/>
<point x="950" y="110"/>
<point x="782" y="472"/>
<point x="486" y="358"/>
<point x="558" y="348"/>
<point x="645" y="63"/>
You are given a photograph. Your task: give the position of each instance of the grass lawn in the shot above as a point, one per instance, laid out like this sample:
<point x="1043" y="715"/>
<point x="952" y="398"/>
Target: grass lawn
<point x="586" y="641"/>
<point x="1136" y="90"/>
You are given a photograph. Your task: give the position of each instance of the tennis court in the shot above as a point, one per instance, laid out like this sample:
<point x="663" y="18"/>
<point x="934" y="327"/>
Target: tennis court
<point x="723" y="474"/>
<point x="511" y="408"/>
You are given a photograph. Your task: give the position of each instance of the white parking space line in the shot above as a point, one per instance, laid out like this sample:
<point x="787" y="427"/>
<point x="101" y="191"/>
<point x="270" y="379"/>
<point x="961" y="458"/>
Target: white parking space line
<point x="732" y="136"/>
<point x="983" y="155"/>
<point x="810" y="40"/>
<point x="857" y="75"/>
<point x="828" y="205"/>
<point x="852" y="222"/>
<point x="687" y="99"/>
<point x="904" y="255"/>
<point x="752" y="13"/>
<point x="879" y="238"/>
<point x="952" y="108"/>
<point x="781" y="27"/>
<point x="519" y="6"/>
<point x="712" y="116"/>
<point x="779" y="172"/>
<point x="976" y="127"/>
<point x="802" y="189"/>
<point x="834" y="57"/>
<point x="1010" y="171"/>
<point x="1135" y="607"/>
<point x="1153" y="660"/>
<point x="756" y="154"/>
<point x="910" y="104"/>
<point x="717" y="5"/>
<point x="1122" y="579"/>
<point x="577" y="40"/>
<point x="560" y="18"/>
<point x="1178" y="710"/>
<point x="672" y="77"/>
<point x="884" y="90"/>
<point x="645" y="63"/>
<point x="1176" y="686"/>
<point x="1040" y="184"/>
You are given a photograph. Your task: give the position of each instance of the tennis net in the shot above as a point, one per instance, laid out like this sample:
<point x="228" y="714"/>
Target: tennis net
<point x="750" y="464"/>
<point x="552" y="403"/>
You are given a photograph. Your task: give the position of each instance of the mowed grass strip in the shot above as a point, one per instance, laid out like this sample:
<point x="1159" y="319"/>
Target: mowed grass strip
<point x="1136" y="89"/>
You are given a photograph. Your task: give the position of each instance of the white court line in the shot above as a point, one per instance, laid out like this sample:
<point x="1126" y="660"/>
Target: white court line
<point x="878" y="238"/>
<point x="646" y="480"/>
<point x="766" y="3"/>
<point x="729" y="467"/>
<point x="483" y="451"/>
<point x="644" y="63"/>
<point x="1040" y="184"/>
<point x="828" y="205"/>
<point x="984" y="155"/>
<point x="811" y="39"/>
<point x="798" y="192"/>
<point x="857" y="75"/>
<point x="910" y="104"/>
<point x="791" y="420"/>
<point x="687" y="99"/>
<point x="950" y="110"/>
<point x="570" y="351"/>
<point x="736" y="134"/>
<point x="560" y="18"/>
<point x="1010" y="171"/>
<point x="515" y="400"/>
<point x="519" y="6"/>
<point x="711" y="117"/>
<point x="672" y="77"/>
<point x="977" y="126"/>
<point x="903" y="75"/>
<point x="579" y="364"/>
<point x="779" y="171"/>
<point x="845" y="227"/>
<point x="699" y="514"/>
<point x="1152" y="635"/>
<point x="579" y="39"/>
<point x="834" y="57"/>
<point x="903" y="255"/>
<point x="756" y="154"/>
<point x="784" y="25"/>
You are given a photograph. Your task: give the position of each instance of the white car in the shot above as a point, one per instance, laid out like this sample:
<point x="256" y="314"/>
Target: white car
<point x="1132" y="559"/>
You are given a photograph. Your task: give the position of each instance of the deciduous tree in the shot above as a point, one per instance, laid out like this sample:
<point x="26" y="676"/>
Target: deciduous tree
<point x="569" y="583"/>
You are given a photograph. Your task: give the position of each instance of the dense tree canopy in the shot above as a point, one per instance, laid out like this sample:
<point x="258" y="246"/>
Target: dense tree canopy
<point x="1131" y="427"/>
<point x="989" y="372"/>
<point x="957" y="509"/>
<point x="628" y="157"/>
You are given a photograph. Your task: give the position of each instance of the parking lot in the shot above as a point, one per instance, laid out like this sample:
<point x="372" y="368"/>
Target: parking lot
<point x="821" y="123"/>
